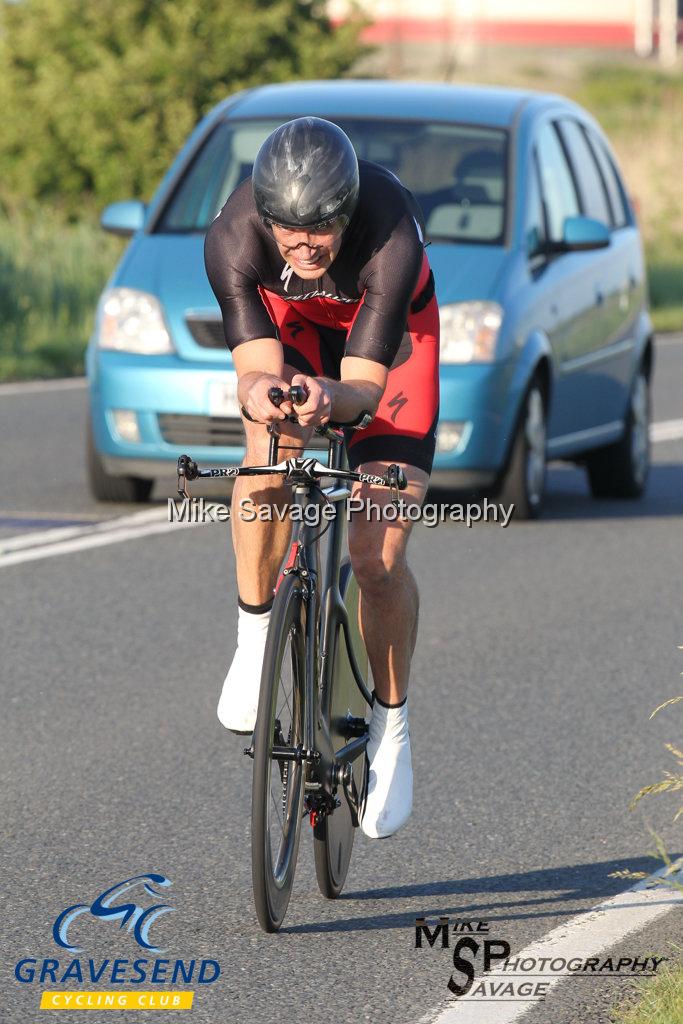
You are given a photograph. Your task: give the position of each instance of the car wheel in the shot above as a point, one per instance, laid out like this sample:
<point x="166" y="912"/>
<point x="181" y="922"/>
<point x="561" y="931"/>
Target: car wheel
<point x="524" y="479"/>
<point x="106" y="487"/>
<point x="621" y="470"/>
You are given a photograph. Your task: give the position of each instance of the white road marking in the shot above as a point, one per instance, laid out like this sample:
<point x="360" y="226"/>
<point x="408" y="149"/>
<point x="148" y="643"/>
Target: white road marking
<point x="588" y="934"/>
<point x="65" y="540"/>
<point x="39" y="538"/>
<point x="667" y="430"/>
<point x="37" y="387"/>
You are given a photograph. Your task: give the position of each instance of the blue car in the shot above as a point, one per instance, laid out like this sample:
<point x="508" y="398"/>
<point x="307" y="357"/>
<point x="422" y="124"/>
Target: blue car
<point x="546" y="340"/>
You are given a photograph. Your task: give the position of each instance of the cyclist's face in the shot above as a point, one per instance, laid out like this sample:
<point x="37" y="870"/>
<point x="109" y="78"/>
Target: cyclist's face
<point x="310" y="251"/>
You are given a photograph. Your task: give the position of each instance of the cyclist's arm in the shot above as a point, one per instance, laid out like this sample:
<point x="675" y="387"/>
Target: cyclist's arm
<point x="231" y="252"/>
<point x="360" y="389"/>
<point x="390" y="278"/>
<point x="259" y="364"/>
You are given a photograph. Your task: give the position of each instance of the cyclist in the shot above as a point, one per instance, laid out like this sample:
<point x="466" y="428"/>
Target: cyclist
<point x="319" y="267"/>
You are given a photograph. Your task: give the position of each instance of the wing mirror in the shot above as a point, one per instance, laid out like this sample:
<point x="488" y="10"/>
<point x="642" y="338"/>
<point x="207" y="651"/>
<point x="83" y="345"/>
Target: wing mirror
<point x="124" y="218"/>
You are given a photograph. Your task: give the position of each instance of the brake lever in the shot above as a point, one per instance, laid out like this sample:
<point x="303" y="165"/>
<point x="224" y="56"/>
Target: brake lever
<point x="187" y="470"/>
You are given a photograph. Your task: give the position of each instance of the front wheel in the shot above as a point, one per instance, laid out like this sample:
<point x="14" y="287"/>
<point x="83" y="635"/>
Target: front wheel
<point x="524" y="479"/>
<point x="333" y="834"/>
<point x="277" y="800"/>
<point x="621" y="470"/>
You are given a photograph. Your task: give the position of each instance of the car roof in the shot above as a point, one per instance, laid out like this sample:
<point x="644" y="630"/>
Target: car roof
<point x="467" y="104"/>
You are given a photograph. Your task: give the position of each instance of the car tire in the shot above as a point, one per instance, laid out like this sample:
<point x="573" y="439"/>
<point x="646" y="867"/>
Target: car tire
<point x="523" y="482"/>
<point x="106" y="487"/>
<point x="621" y="470"/>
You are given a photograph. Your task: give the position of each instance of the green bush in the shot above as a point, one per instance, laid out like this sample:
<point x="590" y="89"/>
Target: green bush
<point x="98" y="97"/>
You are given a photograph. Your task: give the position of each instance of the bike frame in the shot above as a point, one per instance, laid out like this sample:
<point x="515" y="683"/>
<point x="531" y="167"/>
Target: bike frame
<point x="327" y="623"/>
<point x="326" y="616"/>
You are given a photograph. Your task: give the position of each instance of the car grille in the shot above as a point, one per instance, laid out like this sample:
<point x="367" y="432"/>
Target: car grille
<point x="186" y="430"/>
<point x="222" y="431"/>
<point x="207" y="333"/>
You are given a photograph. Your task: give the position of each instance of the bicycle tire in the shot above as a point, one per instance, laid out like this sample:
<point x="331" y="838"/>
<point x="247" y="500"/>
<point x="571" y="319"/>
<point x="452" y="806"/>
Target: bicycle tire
<point x="274" y="836"/>
<point x="333" y="835"/>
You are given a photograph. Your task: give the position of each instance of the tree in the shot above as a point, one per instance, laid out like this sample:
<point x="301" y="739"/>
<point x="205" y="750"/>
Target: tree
<point x="98" y="96"/>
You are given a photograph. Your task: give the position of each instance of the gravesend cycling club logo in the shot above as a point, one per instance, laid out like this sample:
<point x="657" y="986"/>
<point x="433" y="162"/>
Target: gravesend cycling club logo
<point x="138" y="919"/>
<point x="133" y="906"/>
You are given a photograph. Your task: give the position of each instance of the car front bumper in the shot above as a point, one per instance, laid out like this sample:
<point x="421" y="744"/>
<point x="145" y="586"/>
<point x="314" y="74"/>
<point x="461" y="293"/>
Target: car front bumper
<point x="176" y="411"/>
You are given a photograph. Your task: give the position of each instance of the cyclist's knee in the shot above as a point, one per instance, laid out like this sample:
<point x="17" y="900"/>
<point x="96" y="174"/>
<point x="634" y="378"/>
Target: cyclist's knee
<point x="377" y="559"/>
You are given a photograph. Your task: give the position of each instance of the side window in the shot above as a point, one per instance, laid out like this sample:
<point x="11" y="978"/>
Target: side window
<point x="615" y="189"/>
<point x="535" y="234"/>
<point x="593" y="195"/>
<point x="557" y="182"/>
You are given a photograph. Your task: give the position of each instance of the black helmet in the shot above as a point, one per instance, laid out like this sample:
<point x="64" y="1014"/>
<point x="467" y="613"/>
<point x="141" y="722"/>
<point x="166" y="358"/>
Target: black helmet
<point x="305" y="173"/>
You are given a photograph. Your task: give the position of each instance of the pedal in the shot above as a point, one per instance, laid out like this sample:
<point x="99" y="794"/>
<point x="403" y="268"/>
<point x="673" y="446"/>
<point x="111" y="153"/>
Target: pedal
<point x="249" y="751"/>
<point x="355" y="726"/>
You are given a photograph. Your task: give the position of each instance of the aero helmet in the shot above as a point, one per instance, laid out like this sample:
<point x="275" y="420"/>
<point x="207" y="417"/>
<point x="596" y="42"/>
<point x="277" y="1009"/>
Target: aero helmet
<point x="305" y="173"/>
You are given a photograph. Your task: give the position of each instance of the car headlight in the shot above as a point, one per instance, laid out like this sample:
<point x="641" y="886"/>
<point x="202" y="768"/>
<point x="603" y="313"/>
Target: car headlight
<point x="132" y="321"/>
<point x="469" y="331"/>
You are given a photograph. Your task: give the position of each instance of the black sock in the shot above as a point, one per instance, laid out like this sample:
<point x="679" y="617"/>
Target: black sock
<point x="255" y="609"/>
<point x="384" y="703"/>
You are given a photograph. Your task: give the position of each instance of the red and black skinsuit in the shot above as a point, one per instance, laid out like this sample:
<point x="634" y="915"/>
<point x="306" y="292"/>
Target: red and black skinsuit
<point x="376" y="301"/>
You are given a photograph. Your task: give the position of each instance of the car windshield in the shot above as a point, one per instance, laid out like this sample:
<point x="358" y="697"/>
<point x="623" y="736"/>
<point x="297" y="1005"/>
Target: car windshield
<point x="456" y="172"/>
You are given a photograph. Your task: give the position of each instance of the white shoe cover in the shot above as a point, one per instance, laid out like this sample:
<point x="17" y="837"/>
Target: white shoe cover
<point x="389" y="800"/>
<point x="238" y="702"/>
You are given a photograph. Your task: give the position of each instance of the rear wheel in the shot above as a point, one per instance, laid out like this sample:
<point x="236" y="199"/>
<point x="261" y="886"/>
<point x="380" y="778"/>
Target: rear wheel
<point x="621" y="470"/>
<point x="106" y="487"/>
<point x="278" y="786"/>
<point x="524" y="480"/>
<point x="334" y="833"/>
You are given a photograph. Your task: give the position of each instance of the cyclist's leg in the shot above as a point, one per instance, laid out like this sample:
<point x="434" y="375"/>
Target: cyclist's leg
<point x="403" y="431"/>
<point x="378" y="546"/>
<point x="388" y="617"/>
<point x="260" y="533"/>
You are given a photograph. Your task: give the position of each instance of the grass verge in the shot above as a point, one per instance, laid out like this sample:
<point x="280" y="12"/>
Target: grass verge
<point x="659" y="1001"/>
<point x="51" y="275"/>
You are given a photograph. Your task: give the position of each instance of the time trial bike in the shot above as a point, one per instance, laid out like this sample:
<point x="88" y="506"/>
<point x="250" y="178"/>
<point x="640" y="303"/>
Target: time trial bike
<point x="309" y="743"/>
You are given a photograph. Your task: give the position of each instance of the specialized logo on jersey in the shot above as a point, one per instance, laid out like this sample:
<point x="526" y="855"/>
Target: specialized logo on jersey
<point x="294" y="327"/>
<point x="286" y="278"/>
<point x="286" y="275"/>
<point x="399" y="400"/>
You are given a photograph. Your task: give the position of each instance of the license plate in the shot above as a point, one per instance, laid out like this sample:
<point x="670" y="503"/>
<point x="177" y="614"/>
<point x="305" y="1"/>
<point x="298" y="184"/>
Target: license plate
<point x="223" y="397"/>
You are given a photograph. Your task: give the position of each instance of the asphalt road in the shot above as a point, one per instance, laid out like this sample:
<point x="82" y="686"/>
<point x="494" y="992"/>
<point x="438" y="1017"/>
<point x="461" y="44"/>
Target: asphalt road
<point x="542" y="650"/>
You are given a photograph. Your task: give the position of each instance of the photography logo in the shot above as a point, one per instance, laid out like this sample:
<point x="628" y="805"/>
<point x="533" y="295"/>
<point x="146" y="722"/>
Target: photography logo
<point x="126" y="905"/>
<point x="484" y="971"/>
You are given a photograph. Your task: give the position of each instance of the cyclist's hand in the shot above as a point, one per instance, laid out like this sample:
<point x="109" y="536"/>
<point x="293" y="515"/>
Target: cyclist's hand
<point x="253" y="395"/>
<point x="317" y="408"/>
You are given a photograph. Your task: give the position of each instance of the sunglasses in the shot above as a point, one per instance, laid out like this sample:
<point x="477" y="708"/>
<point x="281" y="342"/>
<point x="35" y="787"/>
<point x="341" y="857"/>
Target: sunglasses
<point x="321" y="227"/>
